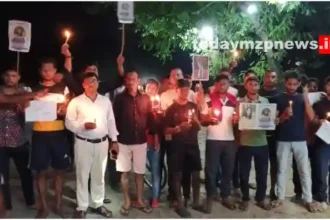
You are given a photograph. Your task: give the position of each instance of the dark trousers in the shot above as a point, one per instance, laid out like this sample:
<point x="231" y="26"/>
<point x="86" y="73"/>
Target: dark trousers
<point x="321" y="156"/>
<point x="296" y="178"/>
<point x="219" y="154"/>
<point x="165" y="150"/>
<point x="260" y="155"/>
<point x="20" y="156"/>
<point x="273" y="163"/>
<point x="236" y="178"/>
<point x="186" y="182"/>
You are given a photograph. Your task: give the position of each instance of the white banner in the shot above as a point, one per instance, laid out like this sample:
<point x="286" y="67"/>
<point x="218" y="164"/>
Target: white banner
<point x="19" y="33"/>
<point x="41" y="111"/>
<point x="256" y="116"/>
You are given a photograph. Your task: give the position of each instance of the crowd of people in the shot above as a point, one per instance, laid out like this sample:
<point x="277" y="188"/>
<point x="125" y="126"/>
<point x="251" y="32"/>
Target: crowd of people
<point x="131" y="125"/>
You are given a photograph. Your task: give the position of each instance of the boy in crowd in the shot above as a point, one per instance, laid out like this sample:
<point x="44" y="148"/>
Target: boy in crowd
<point x="182" y="123"/>
<point x="49" y="144"/>
<point x="153" y="152"/>
<point x="219" y="114"/>
<point x="270" y="91"/>
<point x="291" y="137"/>
<point x="253" y="145"/>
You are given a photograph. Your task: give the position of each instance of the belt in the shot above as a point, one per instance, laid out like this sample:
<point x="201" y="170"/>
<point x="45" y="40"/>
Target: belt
<point x="94" y="141"/>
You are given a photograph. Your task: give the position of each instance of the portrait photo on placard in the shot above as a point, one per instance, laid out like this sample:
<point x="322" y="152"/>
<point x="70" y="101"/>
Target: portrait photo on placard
<point x="200" y="68"/>
<point x="247" y="116"/>
<point x="266" y="116"/>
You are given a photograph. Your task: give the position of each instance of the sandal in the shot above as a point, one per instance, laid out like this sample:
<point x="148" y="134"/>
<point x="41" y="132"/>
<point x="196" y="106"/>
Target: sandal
<point x="276" y="203"/>
<point x="183" y="213"/>
<point x="311" y="207"/>
<point x="264" y="205"/>
<point x="102" y="210"/>
<point x="229" y="203"/>
<point x="146" y="209"/>
<point x="123" y="211"/>
<point x="244" y="205"/>
<point x="106" y="200"/>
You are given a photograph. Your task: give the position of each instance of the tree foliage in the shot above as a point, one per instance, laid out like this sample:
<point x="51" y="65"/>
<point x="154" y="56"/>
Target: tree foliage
<point x="167" y="26"/>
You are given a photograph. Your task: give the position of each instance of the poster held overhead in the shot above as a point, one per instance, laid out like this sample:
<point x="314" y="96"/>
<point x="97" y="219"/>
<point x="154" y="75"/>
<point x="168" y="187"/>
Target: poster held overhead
<point x="19" y="33"/>
<point x="200" y="68"/>
<point x="125" y="12"/>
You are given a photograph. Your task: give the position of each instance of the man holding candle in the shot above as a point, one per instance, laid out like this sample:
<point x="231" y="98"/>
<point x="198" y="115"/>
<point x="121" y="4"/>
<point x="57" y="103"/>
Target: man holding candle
<point x="292" y="108"/>
<point x="49" y="143"/>
<point x="321" y="151"/>
<point x="253" y="145"/>
<point x="90" y="117"/>
<point x="219" y="114"/>
<point x="134" y="116"/>
<point x="181" y="121"/>
<point x="153" y="152"/>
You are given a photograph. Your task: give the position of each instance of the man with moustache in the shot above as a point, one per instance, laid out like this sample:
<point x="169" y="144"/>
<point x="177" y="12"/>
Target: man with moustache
<point x="270" y="91"/>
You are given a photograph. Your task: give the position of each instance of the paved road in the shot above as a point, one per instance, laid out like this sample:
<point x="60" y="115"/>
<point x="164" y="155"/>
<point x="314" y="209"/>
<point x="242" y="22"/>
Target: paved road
<point x="289" y="210"/>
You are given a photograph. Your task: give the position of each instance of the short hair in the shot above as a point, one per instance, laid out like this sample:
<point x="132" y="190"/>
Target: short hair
<point x="313" y="80"/>
<point x="130" y="72"/>
<point x="10" y="70"/>
<point x="249" y="71"/>
<point x="252" y="79"/>
<point x="292" y="75"/>
<point x="89" y="75"/>
<point x="92" y="63"/>
<point x="224" y="69"/>
<point x="48" y="60"/>
<point x="152" y="81"/>
<point x="327" y="80"/>
<point x="270" y="71"/>
<point x="187" y="76"/>
<point x="221" y="77"/>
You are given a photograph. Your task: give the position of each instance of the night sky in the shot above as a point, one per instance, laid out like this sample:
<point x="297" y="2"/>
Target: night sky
<point x="96" y="37"/>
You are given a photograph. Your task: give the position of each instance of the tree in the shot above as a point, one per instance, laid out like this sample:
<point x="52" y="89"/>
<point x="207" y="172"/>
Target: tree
<point x="167" y="26"/>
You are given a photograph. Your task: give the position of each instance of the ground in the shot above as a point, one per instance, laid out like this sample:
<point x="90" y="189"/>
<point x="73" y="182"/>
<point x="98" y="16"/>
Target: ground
<point x="288" y="210"/>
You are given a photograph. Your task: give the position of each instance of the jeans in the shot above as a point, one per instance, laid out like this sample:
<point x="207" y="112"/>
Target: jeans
<point x="236" y="180"/>
<point x="20" y="156"/>
<point x="296" y="179"/>
<point x="154" y="158"/>
<point x="273" y="163"/>
<point x="260" y="155"/>
<point x="322" y="159"/>
<point x="300" y="153"/>
<point x="219" y="154"/>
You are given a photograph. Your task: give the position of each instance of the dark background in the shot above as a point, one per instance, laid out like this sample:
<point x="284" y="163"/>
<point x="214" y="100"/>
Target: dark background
<point x="96" y="37"/>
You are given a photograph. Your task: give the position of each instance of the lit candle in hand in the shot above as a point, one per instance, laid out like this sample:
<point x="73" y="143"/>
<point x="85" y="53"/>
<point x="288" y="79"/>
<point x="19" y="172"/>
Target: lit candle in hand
<point x="328" y="115"/>
<point x="290" y="103"/>
<point x="216" y="112"/>
<point x="67" y="35"/>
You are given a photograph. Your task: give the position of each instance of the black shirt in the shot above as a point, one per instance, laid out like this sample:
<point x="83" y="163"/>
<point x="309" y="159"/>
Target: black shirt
<point x="321" y="108"/>
<point x="133" y="118"/>
<point x="104" y="86"/>
<point x="241" y="90"/>
<point x="177" y="114"/>
<point x="292" y="129"/>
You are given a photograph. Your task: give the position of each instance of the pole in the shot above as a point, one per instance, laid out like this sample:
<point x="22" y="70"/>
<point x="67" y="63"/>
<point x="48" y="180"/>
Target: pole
<point x="17" y="63"/>
<point x="122" y="39"/>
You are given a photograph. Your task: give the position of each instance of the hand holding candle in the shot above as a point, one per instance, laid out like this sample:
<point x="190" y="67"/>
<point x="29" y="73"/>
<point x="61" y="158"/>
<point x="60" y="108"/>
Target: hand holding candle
<point x="155" y="102"/>
<point x="290" y="110"/>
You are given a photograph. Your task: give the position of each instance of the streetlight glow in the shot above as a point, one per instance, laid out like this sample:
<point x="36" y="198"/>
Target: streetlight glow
<point x="252" y="9"/>
<point x="206" y="33"/>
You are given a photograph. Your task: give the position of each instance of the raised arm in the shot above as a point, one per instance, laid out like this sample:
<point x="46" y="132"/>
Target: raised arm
<point x="67" y="57"/>
<point x="17" y="98"/>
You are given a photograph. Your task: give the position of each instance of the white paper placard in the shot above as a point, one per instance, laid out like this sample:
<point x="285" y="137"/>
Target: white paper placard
<point x="200" y="66"/>
<point x="315" y="96"/>
<point x="41" y="111"/>
<point x="19" y="33"/>
<point x="125" y="12"/>
<point x="53" y="97"/>
<point x="324" y="132"/>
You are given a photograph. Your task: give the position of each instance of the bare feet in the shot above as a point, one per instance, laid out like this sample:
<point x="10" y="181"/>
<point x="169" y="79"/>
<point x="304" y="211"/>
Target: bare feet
<point x="42" y="213"/>
<point x="61" y="213"/>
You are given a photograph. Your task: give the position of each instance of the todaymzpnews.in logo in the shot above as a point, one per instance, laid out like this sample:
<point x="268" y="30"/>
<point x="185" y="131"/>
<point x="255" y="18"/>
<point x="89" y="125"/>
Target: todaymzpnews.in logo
<point x="322" y="45"/>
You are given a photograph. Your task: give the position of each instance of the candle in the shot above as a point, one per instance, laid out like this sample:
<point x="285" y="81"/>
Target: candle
<point x="290" y="103"/>
<point x="328" y="115"/>
<point x="155" y="101"/>
<point x="67" y="35"/>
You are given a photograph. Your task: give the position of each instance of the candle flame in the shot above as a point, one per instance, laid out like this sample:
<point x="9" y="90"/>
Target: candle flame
<point x="152" y="98"/>
<point x="67" y="34"/>
<point x="290" y="102"/>
<point x="328" y="114"/>
<point x="216" y="112"/>
<point x="157" y="98"/>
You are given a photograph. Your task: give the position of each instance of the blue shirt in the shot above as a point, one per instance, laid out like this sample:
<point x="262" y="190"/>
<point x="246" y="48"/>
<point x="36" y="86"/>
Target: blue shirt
<point x="292" y="129"/>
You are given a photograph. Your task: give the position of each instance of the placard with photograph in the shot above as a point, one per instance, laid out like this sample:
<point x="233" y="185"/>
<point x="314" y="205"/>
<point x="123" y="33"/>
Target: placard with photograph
<point x="256" y="116"/>
<point x="200" y="68"/>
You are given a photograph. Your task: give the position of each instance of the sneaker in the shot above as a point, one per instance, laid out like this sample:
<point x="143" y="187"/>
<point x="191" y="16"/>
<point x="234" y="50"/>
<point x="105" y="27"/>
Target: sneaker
<point x="155" y="203"/>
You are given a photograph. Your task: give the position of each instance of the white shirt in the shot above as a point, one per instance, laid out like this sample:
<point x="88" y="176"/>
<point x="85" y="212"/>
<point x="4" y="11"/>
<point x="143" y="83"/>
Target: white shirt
<point x="82" y="109"/>
<point x="223" y="131"/>
<point x="167" y="98"/>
